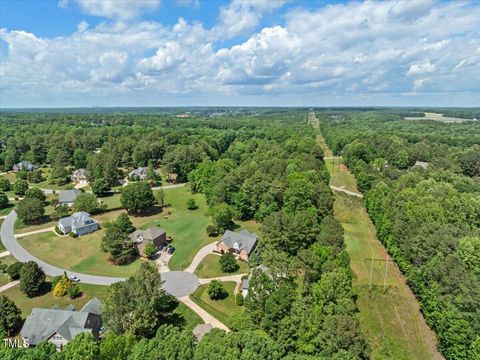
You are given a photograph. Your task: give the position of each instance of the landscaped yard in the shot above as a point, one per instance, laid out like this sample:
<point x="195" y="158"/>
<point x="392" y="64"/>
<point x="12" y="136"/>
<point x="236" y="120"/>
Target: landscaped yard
<point x="209" y="267"/>
<point x="190" y="318"/>
<point x="82" y="254"/>
<point x="47" y="300"/>
<point x="224" y="310"/>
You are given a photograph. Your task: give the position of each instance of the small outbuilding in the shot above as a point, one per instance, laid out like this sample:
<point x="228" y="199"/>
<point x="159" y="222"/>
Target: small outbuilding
<point x="67" y="197"/>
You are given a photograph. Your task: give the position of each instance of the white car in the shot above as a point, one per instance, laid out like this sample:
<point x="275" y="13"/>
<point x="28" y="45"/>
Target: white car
<point x="74" y="278"/>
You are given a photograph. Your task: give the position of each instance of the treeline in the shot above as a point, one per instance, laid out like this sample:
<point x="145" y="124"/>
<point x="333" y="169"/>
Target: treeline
<point x="428" y="216"/>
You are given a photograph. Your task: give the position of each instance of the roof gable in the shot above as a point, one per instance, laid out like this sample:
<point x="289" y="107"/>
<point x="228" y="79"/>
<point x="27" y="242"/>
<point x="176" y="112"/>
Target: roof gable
<point x="243" y="240"/>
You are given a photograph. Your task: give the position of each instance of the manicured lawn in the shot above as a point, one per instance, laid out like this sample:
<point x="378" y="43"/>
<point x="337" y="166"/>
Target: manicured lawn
<point x="187" y="227"/>
<point x="223" y="310"/>
<point x="20" y="226"/>
<point x="48" y="300"/>
<point x="82" y="254"/>
<point x="210" y="267"/>
<point x="112" y="201"/>
<point x="189" y="319"/>
<point x="4" y="279"/>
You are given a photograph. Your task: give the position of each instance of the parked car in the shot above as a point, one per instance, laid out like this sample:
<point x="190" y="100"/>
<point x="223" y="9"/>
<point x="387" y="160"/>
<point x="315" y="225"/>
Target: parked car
<point x="171" y="249"/>
<point x="74" y="278"/>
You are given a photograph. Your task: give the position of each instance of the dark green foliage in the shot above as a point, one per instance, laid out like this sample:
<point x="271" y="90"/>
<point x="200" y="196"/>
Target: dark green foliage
<point x="60" y="212"/>
<point x="138" y="305"/>
<point x="100" y="186"/>
<point x="30" y="210"/>
<point x="150" y="250"/>
<point x="20" y="187"/>
<point x="116" y="346"/>
<point x="32" y="279"/>
<point x="222" y="215"/>
<point x="79" y="158"/>
<point x="123" y="221"/>
<point x="83" y="347"/>
<point x="212" y="230"/>
<point x="14" y="269"/>
<point x="74" y="292"/>
<point x="216" y="290"/>
<point x="5" y="185"/>
<point x="239" y="299"/>
<point x="35" y="193"/>
<point x="10" y="315"/>
<point x="35" y="176"/>
<point x="228" y="263"/>
<point x="116" y="242"/>
<point x="191" y="204"/>
<point x="3" y="200"/>
<point x="137" y="197"/>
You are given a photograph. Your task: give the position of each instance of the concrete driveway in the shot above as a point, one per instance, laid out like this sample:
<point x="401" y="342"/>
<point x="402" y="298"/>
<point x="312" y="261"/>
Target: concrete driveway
<point x="10" y="242"/>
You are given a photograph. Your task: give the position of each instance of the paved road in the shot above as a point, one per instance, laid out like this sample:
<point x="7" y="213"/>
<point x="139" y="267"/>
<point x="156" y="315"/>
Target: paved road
<point x="206" y="250"/>
<point x="9" y="241"/>
<point x="168" y="186"/>
<point x="237" y="278"/>
<point x="203" y="314"/>
<point x="179" y="283"/>
<point x="336" y="188"/>
<point x="9" y="285"/>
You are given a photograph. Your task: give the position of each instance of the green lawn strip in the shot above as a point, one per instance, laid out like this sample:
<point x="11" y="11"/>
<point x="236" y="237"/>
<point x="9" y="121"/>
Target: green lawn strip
<point x="47" y="300"/>
<point x="188" y="319"/>
<point x="210" y="267"/>
<point x="82" y="254"/>
<point x="112" y="201"/>
<point x="4" y="279"/>
<point x="224" y="310"/>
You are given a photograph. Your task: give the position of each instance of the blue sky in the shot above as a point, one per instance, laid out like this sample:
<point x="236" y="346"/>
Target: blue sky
<point x="72" y="53"/>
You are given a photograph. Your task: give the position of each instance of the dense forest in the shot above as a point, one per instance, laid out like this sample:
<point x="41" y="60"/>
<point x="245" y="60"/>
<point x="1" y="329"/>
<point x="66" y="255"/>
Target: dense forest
<point x="263" y="165"/>
<point x="421" y="180"/>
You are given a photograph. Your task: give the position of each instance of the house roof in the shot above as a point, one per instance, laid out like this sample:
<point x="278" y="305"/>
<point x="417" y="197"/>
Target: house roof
<point x="245" y="284"/>
<point x="81" y="172"/>
<point x="151" y="233"/>
<point x="41" y="324"/>
<point x="138" y="171"/>
<point x="68" y="196"/>
<point x="201" y="330"/>
<point x="25" y="165"/>
<point x="422" y="164"/>
<point x="78" y="219"/>
<point x="94" y="306"/>
<point x="243" y="240"/>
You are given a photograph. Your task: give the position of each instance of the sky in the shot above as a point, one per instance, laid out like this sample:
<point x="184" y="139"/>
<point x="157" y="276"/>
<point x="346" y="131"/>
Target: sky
<point x="83" y="53"/>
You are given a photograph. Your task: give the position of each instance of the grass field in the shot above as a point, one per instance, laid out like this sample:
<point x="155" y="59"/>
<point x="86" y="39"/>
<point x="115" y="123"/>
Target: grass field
<point x="224" y="310"/>
<point x="48" y="300"/>
<point x="189" y="319"/>
<point x="209" y="267"/>
<point x="80" y="254"/>
<point x="391" y="320"/>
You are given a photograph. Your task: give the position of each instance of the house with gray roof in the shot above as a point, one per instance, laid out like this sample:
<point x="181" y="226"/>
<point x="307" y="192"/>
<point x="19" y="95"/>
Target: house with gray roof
<point x="154" y="235"/>
<point x="245" y="286"/>
<point x="138" y="173"/>
<point x="422" y="164"/>
<point x="67" y="197"/>
<point x="59" y="326"/>
<point x="24" y="166"/>
<point x="240" y="243"/>
<point x="79" y="223"/>
<point x="79" y="176"/>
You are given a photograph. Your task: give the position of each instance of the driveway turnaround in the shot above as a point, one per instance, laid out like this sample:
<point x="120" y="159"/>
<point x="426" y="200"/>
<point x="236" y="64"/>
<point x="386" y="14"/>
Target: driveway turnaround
<point x="179" y="283"/>
<point x="204" y="251"/>
<point x="10" y="242"/>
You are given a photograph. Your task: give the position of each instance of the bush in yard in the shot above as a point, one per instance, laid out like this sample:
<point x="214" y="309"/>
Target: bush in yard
<point x="191" y="204"/>
<point x="3" y="267"/>
<point x="137" y="197"/>
<point x="32" y="279"/>
<point x="10" y="315"/>
<point x="55" y="281"/>
<point x="100" y="187"/>
<point x="228" y="263"/>
<point x="30" y="210"/>
<point x="150" y="250"/>
<point x="74" y="292"/>
<point x="35" y="193"/>
<point x="212" y="230"/>
<point x="5" y="185"/>
<point x="22" y="174"/>
<point x="60" y="212"/>
<point x="239" y="299"/>
<point x="3" y="200"/>
<point x="62" y="286"/>
<point x="35" y="176"/>
<point x="14" y="270"/>
<point x="85" y="202"/>
<point x="216" y="291"/>
<point x="20" y="187"/>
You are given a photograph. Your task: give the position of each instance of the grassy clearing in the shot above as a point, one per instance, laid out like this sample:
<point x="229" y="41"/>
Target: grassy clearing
<point x="47" y="300"/>
<point x="224" y="310"/>
<point x="188" y="318"/>
<point x="82" y="254"/>
<point x="209" y="267"/>
<point x="391" y="320"/>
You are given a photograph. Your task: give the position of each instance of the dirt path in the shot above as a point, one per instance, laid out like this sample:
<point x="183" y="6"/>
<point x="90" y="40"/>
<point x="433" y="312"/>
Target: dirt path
<point x="391" y="320"/>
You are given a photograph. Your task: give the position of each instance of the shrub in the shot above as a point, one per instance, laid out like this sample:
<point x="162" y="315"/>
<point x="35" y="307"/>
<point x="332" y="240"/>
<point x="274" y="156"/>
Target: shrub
<point x="239" y="299"/>
<point x="191" y="204"/>
<point x="212" y="230"/>
<point x="3" y="200"/>
<point x="35" y="193"/>
<point x="228" y="263"/>
<point x="55" y="281"/>
<point x="3" y="267"/>
<point x="5" y="185"/>
<point x="72" y="234"/>
<point x="14" y="270"/>
<point x="216" y="291"/>
<point x="62" y="286"/>
<point x="74" y="292"/>
<point x="32" y="279"/>
<point x="150" y="250"/>
<point x="20" y="187"/>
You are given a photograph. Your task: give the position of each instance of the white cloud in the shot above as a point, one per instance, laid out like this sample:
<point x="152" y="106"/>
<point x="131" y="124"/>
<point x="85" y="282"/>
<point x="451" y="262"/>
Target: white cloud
<point x="120" y="9"/>
<point x="346" y="52"/>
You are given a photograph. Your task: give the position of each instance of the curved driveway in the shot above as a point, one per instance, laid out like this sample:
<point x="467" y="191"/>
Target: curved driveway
<point x="8" y="238"/>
